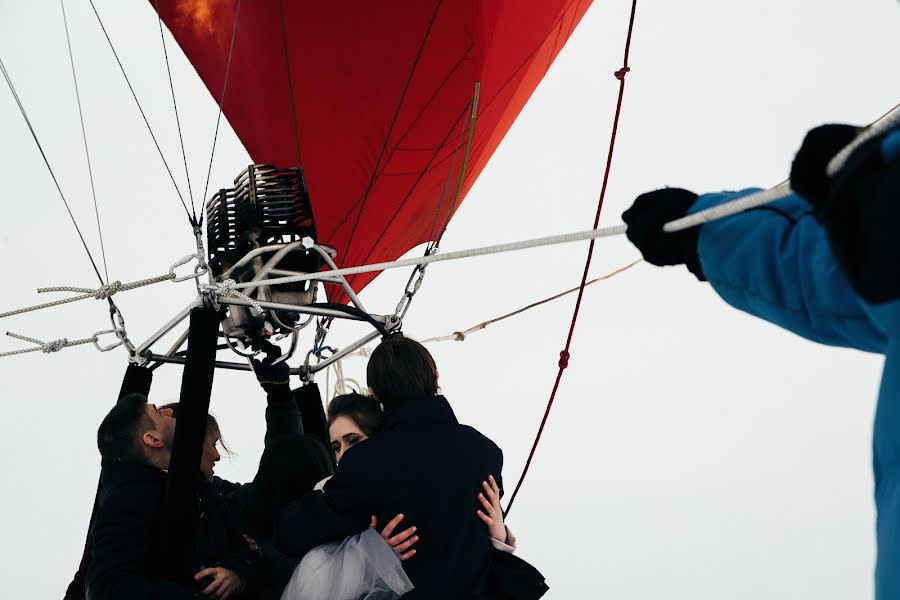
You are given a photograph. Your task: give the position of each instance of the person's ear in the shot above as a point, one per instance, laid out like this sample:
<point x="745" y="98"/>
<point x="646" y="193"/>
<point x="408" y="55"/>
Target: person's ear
<point x="372" y="393"/>
<point x="152" y="439"/>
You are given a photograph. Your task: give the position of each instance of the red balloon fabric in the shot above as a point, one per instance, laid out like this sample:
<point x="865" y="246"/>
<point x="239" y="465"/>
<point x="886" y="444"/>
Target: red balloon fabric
<point x="373" y="100"/>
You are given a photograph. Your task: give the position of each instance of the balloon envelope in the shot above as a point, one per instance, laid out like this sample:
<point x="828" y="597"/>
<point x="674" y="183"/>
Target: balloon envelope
<point x="373" y="99"/>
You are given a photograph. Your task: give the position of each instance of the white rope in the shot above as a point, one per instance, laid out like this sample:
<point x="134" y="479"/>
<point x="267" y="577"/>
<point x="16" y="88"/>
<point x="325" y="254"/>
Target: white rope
<point x="883" y="124"/>
<point x="228" y="288"/>
<point x="101" y="293"/>
<point x="424" y="260"/>
<point x="460" y="336"/>
<point x="54" y="345"/>
<point x="744" y="203"/>
<point x="887" y="122"/>
<point x="342" y="386"/>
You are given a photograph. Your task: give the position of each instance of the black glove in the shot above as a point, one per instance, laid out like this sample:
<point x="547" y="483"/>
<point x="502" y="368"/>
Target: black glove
<point x="808" y="176"/>
<point x="861" y="216"/>
<point x="645" y="220"/>
<point x="274" y="378"/>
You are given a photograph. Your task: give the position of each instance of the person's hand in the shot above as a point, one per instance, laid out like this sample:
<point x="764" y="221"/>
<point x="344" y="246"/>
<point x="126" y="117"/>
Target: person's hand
<point x="645" y="220"/>
<point x="271" y="374"/>
<point x="492" y="515"/>
<point x="861" y="215"/>
<point x="225" y="582"/>
<point x="402" y="542"/>
<point x="808" y="171"/>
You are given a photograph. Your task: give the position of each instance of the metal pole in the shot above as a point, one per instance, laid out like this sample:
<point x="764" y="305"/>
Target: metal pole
<point x="181" y="316"/>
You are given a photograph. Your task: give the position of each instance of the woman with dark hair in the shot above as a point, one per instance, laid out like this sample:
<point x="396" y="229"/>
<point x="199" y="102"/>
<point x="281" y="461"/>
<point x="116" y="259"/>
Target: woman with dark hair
<point x="357" y="567"/>
<point x="352" y="418"/>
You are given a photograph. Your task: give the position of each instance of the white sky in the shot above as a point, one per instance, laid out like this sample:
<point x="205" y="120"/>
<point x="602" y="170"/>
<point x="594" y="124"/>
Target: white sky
<point x="693" y="452"/>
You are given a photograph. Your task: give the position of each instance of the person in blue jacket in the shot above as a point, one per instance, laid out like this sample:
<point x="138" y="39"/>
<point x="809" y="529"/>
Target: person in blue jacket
<point x="823" y="263"/>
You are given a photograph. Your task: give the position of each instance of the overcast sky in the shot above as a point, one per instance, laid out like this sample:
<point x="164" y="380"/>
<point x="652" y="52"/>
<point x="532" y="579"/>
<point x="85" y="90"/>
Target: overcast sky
<point x="693" y="452"/>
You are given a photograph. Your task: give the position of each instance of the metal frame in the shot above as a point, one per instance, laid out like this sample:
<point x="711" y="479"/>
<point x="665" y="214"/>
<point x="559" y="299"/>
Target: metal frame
<point x="143" y="354"/>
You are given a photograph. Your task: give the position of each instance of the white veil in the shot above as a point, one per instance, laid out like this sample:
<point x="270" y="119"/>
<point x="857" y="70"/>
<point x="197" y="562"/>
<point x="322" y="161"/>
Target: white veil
<point x="361" y="567"/>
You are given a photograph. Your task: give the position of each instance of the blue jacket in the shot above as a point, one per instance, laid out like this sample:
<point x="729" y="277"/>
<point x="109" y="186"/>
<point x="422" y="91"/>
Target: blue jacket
<point x="775" y="263"/>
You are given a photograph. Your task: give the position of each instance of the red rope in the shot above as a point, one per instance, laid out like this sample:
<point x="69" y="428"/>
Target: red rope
<point x="564" y="354"/>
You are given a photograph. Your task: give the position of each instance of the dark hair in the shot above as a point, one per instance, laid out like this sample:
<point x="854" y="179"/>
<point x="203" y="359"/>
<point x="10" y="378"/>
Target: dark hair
<point x="365" y="411"/>
<point x="401" y="369"/>
<point x="119" y="435"/>
<point x="212" y="426"/>
<point x="289" y="468"/>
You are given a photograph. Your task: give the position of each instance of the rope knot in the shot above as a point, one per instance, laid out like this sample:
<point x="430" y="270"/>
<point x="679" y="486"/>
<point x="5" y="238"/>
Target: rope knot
<point x="54" y="346"/>
<point x="620" y="74"/>
<point x="107" y="290"/>
<point x="226" y="288"/>
<point x="564" y="359"/>
<point x="459" y="336"/>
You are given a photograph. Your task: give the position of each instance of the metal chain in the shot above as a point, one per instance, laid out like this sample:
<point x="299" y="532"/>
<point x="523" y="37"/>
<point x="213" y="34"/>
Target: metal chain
<point x="318" y="347"/>
<point x="413" y="284"/>
<point x="117" y="319"/>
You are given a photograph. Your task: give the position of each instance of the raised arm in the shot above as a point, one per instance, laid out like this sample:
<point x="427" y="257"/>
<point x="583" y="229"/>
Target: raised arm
<point x="772" y="262"/>
<point x="282" y="415"/>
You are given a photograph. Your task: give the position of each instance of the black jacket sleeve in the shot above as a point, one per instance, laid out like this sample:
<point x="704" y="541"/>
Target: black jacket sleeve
<point x="344" y="509"/>
<point x="245" y="562"/>
<point x="137" y="380"/>
<point x="282" y="416"/>
<point x="312" y="411"/>
<point x="123" y="537"/>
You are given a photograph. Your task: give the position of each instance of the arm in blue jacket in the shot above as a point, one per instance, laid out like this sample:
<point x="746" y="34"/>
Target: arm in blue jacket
<point x="774" y="262"/>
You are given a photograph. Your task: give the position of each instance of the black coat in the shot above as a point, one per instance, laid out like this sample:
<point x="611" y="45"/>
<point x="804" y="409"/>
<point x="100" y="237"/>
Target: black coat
<point x="282" y="418"/>
<point x="125" y="540"/>
<point x="427" y="466"/>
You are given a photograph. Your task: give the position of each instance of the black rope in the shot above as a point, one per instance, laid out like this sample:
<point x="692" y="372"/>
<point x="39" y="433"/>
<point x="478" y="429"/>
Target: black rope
<point x="87" y="154"/>
<point x="212" y="154"/>
<point x="49" y="168"/>
<point x="140" y="108"/>
<point x="391" y="128"/>
<point x="287" y="67"/>
<point x="187" y="173"/>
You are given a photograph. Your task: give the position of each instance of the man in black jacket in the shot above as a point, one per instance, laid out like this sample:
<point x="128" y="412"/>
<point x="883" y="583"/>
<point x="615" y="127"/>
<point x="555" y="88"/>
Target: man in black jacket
<point x="423" y="464"/>
<point x="135" y="441"/>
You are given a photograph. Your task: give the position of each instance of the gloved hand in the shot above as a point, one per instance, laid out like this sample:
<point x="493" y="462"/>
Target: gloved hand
<point x="808" y="176"/>
<point x="645" y="220"/>
<point x="861" y="215"/>
<point x="271" y="374"/>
